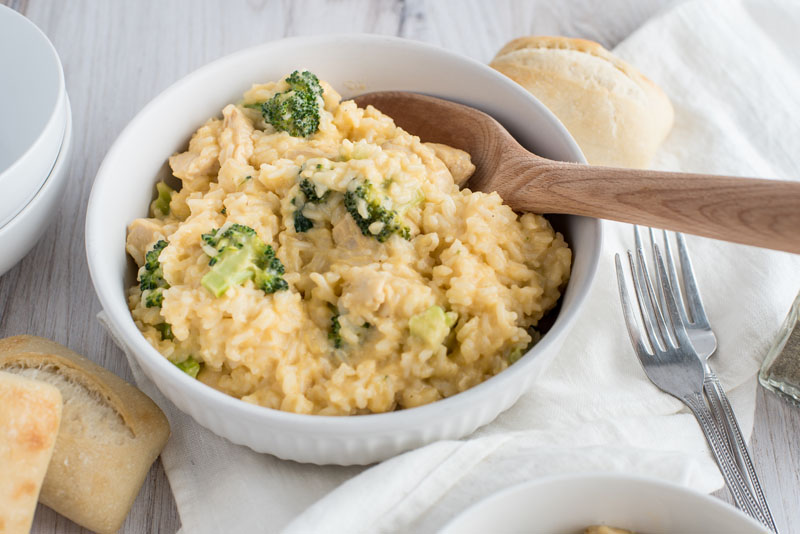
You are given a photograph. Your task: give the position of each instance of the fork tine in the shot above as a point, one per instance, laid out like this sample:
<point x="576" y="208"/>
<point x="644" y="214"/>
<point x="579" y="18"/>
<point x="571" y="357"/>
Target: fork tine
<point x="628" y="314"/>
<point x="673" y="279"/>
<point x="652" y="322"/>
<point x="653" y="309"/>
<point x="663" y="321"/>
<point x="641" y="272"/>
<point x="695" y="304"/>
<point x="681" y="335"/>
<point x="637" y="237"/>
<point x="653" y="258"/>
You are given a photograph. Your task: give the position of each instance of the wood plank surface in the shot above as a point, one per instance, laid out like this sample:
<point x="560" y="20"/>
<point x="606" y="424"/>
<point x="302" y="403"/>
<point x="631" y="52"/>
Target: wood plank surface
<point x="119" y="55"/>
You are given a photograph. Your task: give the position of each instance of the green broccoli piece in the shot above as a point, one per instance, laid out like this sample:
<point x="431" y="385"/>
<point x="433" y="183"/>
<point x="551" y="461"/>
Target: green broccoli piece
<point x="236" y="236"/>
<point x="433" y="325"/>
<point x="304" y="81"/>
<point x="518" y="351"/>
<point x="515" y="354"/>
<point x="301" y="222"/>
<point x="295" y="110"/>
<point x="151" y="277"/>
<point x="190" y="366"/>
<point x="237" y="255"/>
<point x="334" y="334"/>
<point x="166" y="331"/>
<point x="160" y="206"/>
<point x="310" y="191"/>
<point x="367" y="208"/>
<point x="335" y="330"/>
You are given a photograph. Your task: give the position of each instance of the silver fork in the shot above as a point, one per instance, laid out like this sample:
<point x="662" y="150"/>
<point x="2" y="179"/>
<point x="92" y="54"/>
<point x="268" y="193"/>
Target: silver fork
<point x="671" y="363"/>
<point x="705" y="344"/>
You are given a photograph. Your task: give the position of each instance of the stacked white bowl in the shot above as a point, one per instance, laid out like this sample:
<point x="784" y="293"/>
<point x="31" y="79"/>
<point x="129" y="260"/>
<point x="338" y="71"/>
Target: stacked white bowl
<point x="35" y="135"/>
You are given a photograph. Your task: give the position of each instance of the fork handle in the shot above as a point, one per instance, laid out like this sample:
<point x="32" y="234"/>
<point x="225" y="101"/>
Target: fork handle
<point x="727" y="466"/>
<point x="723" y="412"/>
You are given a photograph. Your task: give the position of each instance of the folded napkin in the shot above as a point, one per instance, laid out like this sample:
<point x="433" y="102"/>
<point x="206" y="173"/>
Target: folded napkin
<point x="732" y="70"/>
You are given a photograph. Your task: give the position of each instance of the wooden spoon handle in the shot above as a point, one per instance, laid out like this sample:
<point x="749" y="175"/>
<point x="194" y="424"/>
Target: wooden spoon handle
<point x="764" y="213"/>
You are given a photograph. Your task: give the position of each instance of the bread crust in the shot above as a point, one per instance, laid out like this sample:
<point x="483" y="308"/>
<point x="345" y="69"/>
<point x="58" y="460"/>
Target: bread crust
<point x="95" y="473"/>
<point x="30" y="414"/>
<point x="617" y="115"/>
<point x="570" y="43"/>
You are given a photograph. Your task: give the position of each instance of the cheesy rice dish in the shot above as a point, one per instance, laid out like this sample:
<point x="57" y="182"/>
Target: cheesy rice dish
<point x="318" y="259"/>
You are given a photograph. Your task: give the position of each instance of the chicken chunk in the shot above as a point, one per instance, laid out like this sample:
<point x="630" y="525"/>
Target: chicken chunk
<point x="235" y="140"/>
<point x="201" y="161"/>
<point x="347" y="235"/>
<point x="142" y="233"/>
<point x="308" y="153"/>
<point x="457" y="162"/>
<point x="366" y="292"/>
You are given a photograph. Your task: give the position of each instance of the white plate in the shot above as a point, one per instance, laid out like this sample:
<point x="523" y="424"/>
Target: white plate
<point x="33" y="111"/>
<point x="568" y="504"/>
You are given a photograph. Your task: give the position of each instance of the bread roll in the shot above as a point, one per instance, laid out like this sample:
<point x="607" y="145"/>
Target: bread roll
<point x="30" y="413"/>
<point x="617" y="116"/>
<point x="110" y="433"/>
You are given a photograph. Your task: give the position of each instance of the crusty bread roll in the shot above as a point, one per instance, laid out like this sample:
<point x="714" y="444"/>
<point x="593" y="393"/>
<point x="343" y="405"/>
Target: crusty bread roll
<point x="617" y="116"/>
<point x="110" y="433"/>
<point x="30" y="413"/>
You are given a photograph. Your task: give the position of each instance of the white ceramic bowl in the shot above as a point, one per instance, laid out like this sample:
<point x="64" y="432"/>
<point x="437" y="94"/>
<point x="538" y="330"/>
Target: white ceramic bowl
<point x="34" y="111"/>
<point x="20" y="234"/>
<point x="568" y="504"/>
<point x="352" y="64"/>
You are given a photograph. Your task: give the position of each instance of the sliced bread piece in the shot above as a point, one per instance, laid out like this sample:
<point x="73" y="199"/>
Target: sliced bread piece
<point x="110" y="433"/>
<point x="30" y="412"/>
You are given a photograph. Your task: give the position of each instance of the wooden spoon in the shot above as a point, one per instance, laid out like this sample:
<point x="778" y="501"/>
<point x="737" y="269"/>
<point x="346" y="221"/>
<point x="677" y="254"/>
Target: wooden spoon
<point x="764" y="213"/>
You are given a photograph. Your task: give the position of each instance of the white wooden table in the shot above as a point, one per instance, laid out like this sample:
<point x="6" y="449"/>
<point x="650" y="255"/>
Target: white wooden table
<point x="117" y="56"/>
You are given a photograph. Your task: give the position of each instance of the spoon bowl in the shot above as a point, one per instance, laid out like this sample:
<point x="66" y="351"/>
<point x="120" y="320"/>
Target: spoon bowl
<point x="752" y="211"/>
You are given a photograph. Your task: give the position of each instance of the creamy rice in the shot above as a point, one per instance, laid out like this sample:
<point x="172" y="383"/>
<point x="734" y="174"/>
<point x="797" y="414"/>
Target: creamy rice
<point x="494" y="273"/>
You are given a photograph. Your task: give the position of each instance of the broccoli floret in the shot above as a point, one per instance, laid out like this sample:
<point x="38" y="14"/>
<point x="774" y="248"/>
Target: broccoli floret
<point x="334" y="334"/>
<point x="166" y="331"/>
<point x="238" y="254"/>
<point x="235" y="236"/>
<point x="301" y="222"/>
<point x="335" y="330"/>
<point x="304" y="81"/>
<point x="190" y="366"/>
<point x="309" y="191"/>
<point x="295" y="110"/>
<point x="160" y="206"/>
<point x="151" y="277"/>
<point x="518" y="351"/>
<point x="375" y="220"/>
<point x="515" y="354"/>
<point x="433" y="325"/>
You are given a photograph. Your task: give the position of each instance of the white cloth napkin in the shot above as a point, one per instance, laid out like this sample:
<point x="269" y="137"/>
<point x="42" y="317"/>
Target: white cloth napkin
<point x="732" y="70"/>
